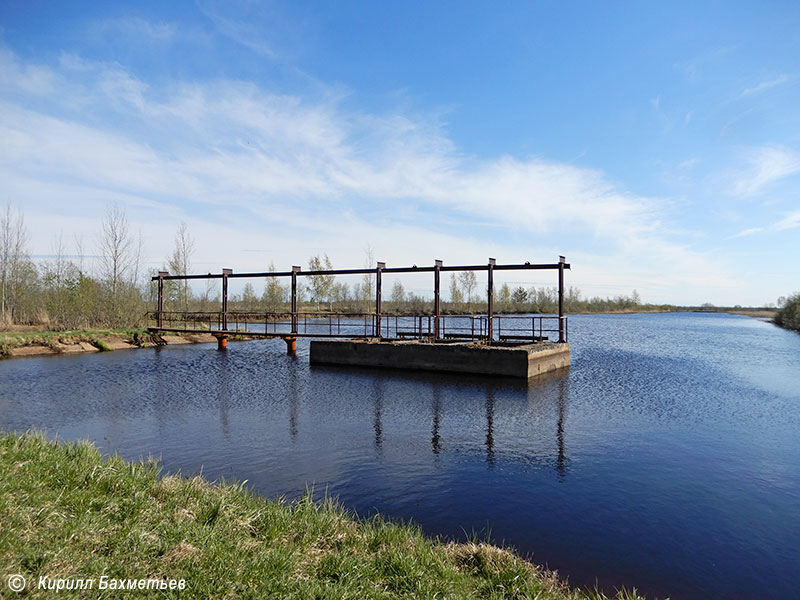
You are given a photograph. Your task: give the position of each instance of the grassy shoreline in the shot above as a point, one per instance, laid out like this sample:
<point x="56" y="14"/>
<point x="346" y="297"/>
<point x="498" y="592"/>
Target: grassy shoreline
<point x="38" y="342"/>
<point x="69" y="513"/>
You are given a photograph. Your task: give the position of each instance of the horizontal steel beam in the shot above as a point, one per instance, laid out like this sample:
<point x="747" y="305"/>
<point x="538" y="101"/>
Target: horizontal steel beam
<point x="231" y="332"/>
<point x="413" y="269"/>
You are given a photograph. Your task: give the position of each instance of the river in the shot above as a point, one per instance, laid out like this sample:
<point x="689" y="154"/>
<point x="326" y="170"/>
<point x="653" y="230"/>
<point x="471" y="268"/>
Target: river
<point x="667" y="457"/>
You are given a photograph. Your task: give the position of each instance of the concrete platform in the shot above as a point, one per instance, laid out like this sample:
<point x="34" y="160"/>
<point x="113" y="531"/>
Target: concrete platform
<point x="520" y="361"/>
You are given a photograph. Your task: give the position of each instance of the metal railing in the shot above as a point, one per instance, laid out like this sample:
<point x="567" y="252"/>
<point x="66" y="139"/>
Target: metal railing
<point x="452" y="328"/>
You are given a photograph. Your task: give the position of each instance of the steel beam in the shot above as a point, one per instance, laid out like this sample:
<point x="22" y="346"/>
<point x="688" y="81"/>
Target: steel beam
<point x="295" y="270"/>
<point x="490" y="294"/>
<point x="437" y="306"/>
<point x="512" y="267"/>
<point x="225" y="274"/>
<point x="160" y="318"/>
<point x="561" y="266"/>
<point x="378" y="271"/>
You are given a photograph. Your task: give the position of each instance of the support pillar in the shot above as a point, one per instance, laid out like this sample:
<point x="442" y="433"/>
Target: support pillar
<point x="561" y="337"/>
<point x="222" y="342"/>
<point x="160" y="316"/>
<point x="378" y="271"/>
<point x="291" y="345"/>
<point x="437" y="305"/>
<point x="295" y="270"/>
<point x="225" y="273"/>
<point x="490" y="292"/>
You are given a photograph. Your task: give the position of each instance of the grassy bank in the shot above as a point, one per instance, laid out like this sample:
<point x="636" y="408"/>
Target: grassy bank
<point x="69" y="513"/>
<point x="100" y="339"/>
<point x="33" y="342"/>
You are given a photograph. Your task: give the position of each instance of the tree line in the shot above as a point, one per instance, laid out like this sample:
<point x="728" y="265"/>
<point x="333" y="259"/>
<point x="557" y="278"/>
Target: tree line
<point x="68" y="291"/>
<point x="788" y="314"/>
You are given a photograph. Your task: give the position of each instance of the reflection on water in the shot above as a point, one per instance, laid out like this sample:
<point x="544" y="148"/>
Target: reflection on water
<point x="436" y="441"/>
<point x="667" y="457"/>
<point x="562" y="411"/>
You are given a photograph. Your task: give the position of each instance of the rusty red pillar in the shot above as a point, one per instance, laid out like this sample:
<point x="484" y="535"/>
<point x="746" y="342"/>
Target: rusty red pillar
<point x="291" y="345"/>
<point x="295" y="270"/>
<point x="561" y="261"/>
<point x="225" y="273"/>
<point x="437" y="304"/>
<point x="378" y="271"/>
<point x="160" y="316"/>
<point x="222" y="341"/>
<point x="490" y="292"/>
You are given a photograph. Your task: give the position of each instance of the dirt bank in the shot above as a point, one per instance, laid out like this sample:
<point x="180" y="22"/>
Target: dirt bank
<point x="51" y="345"/>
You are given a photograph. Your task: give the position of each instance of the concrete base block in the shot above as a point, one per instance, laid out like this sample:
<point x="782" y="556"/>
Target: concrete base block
<point x="523" y="361"/>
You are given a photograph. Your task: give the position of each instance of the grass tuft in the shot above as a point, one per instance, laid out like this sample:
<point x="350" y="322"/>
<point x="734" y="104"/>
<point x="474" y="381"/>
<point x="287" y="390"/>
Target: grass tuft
<point x="67" y="511"/>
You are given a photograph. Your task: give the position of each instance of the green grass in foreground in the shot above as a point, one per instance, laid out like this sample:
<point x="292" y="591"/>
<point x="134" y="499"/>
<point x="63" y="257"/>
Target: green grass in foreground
<point x="67" y="512"/>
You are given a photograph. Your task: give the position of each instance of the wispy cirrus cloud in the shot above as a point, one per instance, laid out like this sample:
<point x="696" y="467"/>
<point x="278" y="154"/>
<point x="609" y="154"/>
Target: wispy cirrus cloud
<point x="790" y="221"/>
<point x="765" y="85"/>
<point x="765" y="166"/>
<point x="238" y="157"/>
<point x="746" y="232"/>
<point x="134" y="27"/>
<point x="233" y="136"/>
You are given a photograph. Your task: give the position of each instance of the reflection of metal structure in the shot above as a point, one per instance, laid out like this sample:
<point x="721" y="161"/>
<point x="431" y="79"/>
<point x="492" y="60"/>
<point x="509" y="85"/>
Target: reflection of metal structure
<point x="436" y="327"/>
<point x="554" y="389"/>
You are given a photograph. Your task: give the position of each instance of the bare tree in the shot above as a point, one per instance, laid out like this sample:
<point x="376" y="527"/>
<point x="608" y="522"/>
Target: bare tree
<point x="13" y="260"/>
<point x="117" y="258"/>
<point x="504" y="298"/>
<point x="398" y="293"/>
<point x="321" y="285"/>
<point x="468" y="282"/>
<point x="137" y="254"/>
<point x="274" y="293"/>
<point x="368" y="284"/>
<point x="456" y="295"/>
<point x="249" y="298"/>
<point x="180" y="263"/>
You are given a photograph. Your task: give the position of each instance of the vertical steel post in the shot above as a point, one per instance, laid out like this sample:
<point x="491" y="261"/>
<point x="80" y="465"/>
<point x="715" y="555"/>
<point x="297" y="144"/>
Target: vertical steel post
<point x="490" y="292"/>
<point x="160" y="317"/>
<point x="225" y="273"/>
<point x="437" y="305"/>
<point x="295" y="270"/>
<point x="561" y="337"/>
<point x="378" y="271"/>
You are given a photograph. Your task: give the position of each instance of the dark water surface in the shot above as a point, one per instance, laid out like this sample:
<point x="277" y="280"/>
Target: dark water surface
<point x="667" y="457"/>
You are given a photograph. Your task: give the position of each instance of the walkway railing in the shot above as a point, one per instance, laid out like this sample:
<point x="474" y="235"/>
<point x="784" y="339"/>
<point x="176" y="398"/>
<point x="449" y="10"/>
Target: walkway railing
<point x="451" y="328"/>
<point x="435" y="326"/>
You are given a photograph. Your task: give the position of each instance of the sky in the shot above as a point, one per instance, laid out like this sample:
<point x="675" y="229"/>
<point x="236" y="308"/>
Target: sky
<point x="656" y="145"/>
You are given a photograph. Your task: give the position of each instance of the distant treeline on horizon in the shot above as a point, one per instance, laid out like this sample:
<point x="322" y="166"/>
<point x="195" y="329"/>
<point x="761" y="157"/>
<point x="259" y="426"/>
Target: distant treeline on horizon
<point x="60" y="294"/>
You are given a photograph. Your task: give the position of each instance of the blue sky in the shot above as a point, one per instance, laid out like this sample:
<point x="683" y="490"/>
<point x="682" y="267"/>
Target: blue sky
<point x="656" y="145"/>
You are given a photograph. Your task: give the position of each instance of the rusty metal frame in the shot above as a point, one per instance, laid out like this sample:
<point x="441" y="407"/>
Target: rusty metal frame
<point x="437" y="268"/>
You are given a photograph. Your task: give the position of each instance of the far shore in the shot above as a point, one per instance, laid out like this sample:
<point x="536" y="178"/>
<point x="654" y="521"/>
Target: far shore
<point x="21" y="341"/>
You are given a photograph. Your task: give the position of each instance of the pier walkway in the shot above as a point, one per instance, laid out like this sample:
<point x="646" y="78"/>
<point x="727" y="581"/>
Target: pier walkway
<point x="488" y="330"/>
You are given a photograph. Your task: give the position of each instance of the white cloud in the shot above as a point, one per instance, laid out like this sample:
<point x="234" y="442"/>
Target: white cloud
<point x="257" y="169"/>
<point x="790" y="221"/>
<point x="747" y="232"/>
<point x="764" y="86"/>
<point x="248" y="34"/>
<point x="766" y="165"/>
<point x="137" y="28"/>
